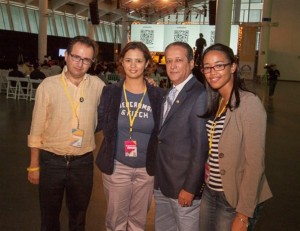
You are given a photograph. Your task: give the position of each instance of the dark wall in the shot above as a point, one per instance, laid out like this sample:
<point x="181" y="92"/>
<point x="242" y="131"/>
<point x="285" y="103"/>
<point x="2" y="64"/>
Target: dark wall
<point x="13" y="44"/>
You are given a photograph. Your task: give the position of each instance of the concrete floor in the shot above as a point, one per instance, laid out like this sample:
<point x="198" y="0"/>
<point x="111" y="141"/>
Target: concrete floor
<point x="19" y="207"/>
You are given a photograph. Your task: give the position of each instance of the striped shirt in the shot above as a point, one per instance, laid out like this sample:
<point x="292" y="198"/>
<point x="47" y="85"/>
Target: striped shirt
<point x="214" y="130"/>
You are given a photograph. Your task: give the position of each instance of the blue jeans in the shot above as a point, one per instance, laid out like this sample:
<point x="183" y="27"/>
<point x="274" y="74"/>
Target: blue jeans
<point x="58" y="177"/>
<point x="216" y="214"/>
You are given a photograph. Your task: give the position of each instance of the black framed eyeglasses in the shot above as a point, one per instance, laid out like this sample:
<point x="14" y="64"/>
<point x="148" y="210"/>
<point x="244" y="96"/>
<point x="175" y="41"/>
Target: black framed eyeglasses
<point x="218" y="67"/>
<point x="77" y="58"/>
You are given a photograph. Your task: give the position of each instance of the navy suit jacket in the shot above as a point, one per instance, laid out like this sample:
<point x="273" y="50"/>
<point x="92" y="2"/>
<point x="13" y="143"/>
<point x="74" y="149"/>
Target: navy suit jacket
<point x="108" y="112"/>
<point x="183" y="143"/>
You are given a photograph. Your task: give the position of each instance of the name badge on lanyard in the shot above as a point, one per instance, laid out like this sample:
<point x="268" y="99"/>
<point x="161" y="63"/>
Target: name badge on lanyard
<point x="77" y="134"/>
<point x="131" y="145"/>
<point x="77" y="137"/>
<point x="130" y="148"/>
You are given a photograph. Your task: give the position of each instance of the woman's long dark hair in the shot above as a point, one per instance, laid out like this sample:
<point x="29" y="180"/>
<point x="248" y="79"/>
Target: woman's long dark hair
<point x="238" y="83"/>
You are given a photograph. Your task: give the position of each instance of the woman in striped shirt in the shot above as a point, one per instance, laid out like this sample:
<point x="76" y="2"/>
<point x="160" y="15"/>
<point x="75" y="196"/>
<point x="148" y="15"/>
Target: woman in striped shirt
<point x="235" y="179"/>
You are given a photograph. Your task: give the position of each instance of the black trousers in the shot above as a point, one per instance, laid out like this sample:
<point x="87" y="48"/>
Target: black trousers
<point x="72" y="176"/>
<point x="272" y="85"/>
<point x="197" y="58"/>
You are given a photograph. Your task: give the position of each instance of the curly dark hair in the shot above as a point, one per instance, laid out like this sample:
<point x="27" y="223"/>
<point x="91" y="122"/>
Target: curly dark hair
<point x="144" y="49"/>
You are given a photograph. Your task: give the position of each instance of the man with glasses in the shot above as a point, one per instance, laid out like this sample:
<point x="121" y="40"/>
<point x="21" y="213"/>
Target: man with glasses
<point x="182" y="145"/>
<point x="61" y="137"/>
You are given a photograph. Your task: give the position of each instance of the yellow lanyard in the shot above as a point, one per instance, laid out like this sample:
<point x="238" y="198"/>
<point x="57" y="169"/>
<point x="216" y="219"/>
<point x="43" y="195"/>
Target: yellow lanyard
<point x="132" y="118"/>
<point x="213" y="125"/>
<point x="73" y="105"/>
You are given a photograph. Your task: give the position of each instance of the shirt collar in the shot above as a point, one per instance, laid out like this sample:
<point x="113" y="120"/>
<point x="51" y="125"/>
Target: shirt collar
<point x="181" y="85"/>
<point x="65" y="69"/>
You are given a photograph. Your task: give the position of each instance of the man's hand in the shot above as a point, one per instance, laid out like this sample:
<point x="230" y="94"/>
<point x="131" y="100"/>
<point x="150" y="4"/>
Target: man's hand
<point x="34" y="177"/>
<point x="151" y="82"/>
<point x="185" y="198"/>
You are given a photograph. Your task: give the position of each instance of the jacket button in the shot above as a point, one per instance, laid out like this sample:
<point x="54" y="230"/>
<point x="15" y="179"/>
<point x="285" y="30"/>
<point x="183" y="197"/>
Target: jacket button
<point x="221" y="155"/>
<point x="222" y="172"/>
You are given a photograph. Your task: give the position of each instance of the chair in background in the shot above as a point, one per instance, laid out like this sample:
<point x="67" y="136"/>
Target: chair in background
<point x="12" y="87"/>
<point x="112" y="78"/>
<point x="3" y="80"/>
<point x="23" y="88"/>
<point x="33" y="85"/>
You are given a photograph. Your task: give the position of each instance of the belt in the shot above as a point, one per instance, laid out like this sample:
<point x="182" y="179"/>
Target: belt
<point x="68" y="158"/>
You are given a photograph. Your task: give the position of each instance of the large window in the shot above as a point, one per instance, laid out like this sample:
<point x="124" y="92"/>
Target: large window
<point x="71" y="26"/>
<point x="19" y="22"/>
<point x="251" y="11"/>
<point x="82" y="26"/>
<point x="4" y="21"/>
<point x="60" y="25"/>
<point x="33" y="16"/>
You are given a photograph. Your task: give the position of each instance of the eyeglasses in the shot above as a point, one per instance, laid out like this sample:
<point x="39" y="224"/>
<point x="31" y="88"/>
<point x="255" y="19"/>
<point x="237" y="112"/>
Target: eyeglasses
<point x="218" y="67"/>
<point x="77" y="58"/>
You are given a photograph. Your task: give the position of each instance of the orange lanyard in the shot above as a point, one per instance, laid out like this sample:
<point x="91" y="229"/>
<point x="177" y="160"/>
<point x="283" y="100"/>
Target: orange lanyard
<point x="213" y="125"/>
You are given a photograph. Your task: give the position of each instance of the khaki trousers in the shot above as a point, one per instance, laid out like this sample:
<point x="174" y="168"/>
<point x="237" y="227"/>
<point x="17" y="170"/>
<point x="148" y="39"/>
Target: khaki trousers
<point x="128" y="193"/>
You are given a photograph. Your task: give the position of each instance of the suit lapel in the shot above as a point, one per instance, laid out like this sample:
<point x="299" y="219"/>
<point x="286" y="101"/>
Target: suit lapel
<point x="178" y="101"/>
<point x="163" y="107"/>
<point x="229" y="113"/>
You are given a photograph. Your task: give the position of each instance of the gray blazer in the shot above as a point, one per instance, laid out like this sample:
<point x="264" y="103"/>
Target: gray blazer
<point x="182" y="143"/>
<point x="242" y="155"/>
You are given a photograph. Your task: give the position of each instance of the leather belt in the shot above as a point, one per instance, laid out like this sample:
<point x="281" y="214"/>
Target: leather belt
<point x="68" y="158"/>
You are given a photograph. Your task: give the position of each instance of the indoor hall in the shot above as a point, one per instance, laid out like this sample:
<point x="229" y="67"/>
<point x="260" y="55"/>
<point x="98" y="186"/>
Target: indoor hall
<point x="19" y="199"/>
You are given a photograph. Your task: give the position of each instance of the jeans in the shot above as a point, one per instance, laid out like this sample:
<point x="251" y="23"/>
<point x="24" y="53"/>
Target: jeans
<point x="74" y="178"/>
<point x="216" y="214"/>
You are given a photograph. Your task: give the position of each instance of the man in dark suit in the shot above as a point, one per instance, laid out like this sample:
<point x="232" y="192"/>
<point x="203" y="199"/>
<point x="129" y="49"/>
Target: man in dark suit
<point x="182" y="145"/>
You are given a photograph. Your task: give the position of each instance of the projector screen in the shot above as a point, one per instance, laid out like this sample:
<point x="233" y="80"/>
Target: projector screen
<point x="157" y="37"/>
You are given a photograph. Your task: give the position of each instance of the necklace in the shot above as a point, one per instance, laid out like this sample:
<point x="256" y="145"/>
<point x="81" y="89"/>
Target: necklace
<point x="220" y="111"/>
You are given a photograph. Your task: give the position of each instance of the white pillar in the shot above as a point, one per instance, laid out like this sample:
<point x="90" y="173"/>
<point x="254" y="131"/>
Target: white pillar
<point x="91" y="30"/>
<point x="263" y="53"/>
<point x="223" y="21"/>
<point x="237" y="12"/>
<point x="125" y="31"/>
<point x="42" y="37"/>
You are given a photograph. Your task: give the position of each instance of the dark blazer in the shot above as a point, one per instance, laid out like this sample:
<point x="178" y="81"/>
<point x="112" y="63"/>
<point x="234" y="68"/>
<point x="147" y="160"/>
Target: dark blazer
<point x="182" y="143"/>
<point x="108" y="112"/>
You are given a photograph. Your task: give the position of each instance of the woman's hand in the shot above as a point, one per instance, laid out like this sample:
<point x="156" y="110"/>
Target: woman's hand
<point x="240" y="223"/>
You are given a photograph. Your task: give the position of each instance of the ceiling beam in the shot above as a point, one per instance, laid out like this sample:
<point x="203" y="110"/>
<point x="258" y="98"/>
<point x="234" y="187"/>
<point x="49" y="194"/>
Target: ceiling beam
<point x="55" y="4"/>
